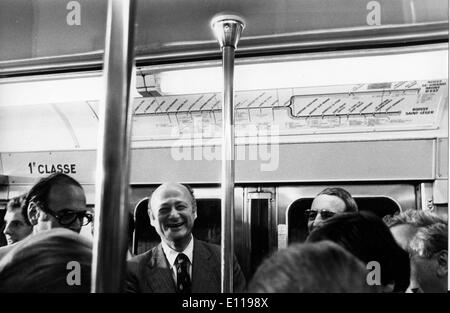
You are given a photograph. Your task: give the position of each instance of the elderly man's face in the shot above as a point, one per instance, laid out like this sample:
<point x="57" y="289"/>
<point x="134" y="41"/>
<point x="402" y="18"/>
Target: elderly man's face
<point x="16" y="228"/>
<point x="172" y="214"/>
<point x="325" y="203"/>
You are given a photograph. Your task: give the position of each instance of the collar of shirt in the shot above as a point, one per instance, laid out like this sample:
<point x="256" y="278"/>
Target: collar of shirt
<point x="171" y="254"/>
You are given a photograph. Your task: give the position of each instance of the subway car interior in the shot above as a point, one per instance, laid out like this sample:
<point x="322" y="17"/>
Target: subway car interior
<point x="348" y="93"/>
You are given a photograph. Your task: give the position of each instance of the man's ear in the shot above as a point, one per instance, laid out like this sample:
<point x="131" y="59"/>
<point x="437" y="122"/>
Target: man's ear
<point x="194" y="211"/>
<point x="152" y="217"/>
<point x="442" y="259"/>
<point x="33" y="213"/>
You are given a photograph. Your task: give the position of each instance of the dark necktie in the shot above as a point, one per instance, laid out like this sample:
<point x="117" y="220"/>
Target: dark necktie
<point x="183" y="280"/>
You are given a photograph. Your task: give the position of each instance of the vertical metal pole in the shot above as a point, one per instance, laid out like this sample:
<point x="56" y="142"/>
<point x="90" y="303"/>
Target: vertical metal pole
<point x="110" y="229"/>
<point x="227" y="29"/>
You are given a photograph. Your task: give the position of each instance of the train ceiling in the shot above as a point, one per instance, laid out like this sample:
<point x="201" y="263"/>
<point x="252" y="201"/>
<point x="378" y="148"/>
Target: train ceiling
<point x="43" y="32"/>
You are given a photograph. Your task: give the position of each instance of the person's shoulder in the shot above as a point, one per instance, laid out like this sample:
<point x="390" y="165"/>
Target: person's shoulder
<point x="206" y="244"/>
<point x="211" y="247"/>
<point x="144" y="257"/>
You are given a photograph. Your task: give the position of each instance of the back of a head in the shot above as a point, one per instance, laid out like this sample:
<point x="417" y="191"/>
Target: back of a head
<point x="310" y="268"/>
<point x="369" y="239"/>
<point x="416" y="218"/>
<point x="344" y="195"/>
<point x="44" y="263"/>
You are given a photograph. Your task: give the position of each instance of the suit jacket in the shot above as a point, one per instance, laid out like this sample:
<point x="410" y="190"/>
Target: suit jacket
<point x="150" y="271"/>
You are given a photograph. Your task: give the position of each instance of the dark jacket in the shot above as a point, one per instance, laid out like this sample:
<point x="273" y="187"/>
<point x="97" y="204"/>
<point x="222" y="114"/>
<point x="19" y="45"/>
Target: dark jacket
<point x="150" y="271"/>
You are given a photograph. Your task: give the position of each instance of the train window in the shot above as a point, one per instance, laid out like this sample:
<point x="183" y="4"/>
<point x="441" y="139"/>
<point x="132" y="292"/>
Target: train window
<point x="206" y="226"/>
<point x="145" y="236"/>
<point x="298" y="224"/>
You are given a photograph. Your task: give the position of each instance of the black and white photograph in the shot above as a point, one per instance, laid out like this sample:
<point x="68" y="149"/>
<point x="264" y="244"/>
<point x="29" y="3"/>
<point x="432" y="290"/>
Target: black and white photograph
<point x="219" y="154"/>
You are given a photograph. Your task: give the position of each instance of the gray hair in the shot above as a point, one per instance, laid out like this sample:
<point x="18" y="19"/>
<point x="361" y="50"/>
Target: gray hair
<point x="416" y="218"/>
<point x="430" y="240"/>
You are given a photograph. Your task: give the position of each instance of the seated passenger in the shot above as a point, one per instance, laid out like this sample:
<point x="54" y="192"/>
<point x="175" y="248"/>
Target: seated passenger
<point x="56" y="260"/>
<point x="17" y="226"/>
<point x="311" y="267"/>
<point x="327" y="203"/>
<point x="429" y="257"/>
<point x="369" y="239"/>
<point x="180" y="263"/>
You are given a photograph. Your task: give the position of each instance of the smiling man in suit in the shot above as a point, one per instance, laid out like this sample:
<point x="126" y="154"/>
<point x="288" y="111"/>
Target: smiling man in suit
<point x="180" y="263"/>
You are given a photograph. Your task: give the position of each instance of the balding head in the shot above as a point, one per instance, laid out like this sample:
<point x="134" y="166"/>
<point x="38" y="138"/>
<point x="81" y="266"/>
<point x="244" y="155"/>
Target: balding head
<point x="173" y="187"/>
<point x="172" y="212"/>
<point x="56" y="195"/>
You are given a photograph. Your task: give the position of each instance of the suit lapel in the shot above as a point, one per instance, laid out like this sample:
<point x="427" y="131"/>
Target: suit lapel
<point x="159" y="278"/>
<point x="203" y="278"/>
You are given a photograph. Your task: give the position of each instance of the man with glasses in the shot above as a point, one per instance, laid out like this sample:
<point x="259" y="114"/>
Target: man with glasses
<point x="327" y="203"/>
<point x="57" y="201"/>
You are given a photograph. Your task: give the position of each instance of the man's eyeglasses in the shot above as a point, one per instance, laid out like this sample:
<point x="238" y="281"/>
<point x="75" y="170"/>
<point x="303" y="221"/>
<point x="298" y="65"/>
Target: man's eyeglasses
<point x="325" y="214"/>
<point x="68" y="217"/>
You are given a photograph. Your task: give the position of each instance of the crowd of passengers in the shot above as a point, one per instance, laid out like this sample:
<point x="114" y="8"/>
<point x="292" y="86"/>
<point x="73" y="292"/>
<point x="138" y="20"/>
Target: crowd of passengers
<point x="347" y="249"/>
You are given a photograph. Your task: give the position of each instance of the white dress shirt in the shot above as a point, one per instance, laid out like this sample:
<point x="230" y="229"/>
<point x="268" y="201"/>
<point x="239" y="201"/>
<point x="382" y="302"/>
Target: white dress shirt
<point x="171" y="256"/>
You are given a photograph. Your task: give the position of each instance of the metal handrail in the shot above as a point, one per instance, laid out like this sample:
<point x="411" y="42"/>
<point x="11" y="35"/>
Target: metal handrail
<point x="227" y="29"/>
<point x="110" y="229"/>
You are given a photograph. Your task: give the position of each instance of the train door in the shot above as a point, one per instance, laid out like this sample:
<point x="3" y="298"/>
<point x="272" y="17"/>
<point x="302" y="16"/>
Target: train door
<point x="258" y="227"/>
